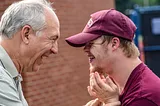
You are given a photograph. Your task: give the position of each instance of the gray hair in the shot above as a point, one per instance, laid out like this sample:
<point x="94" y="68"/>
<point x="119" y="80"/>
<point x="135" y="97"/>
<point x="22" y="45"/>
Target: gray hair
<point x="45" y="2"/>
<point x="23" y="13"/>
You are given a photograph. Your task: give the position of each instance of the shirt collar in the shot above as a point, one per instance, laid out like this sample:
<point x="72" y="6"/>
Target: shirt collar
<point x="7" y="62"/>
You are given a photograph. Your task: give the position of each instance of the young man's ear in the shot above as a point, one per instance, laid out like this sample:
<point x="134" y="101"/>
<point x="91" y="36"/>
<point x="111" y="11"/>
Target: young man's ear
<point x="25" y="32"/>
<point x="115" y="43"/>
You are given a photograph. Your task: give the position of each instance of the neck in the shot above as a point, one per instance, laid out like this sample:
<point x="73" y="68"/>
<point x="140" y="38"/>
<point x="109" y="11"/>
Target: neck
<point x="122" y="70"/>
<point x="12" y="52"/>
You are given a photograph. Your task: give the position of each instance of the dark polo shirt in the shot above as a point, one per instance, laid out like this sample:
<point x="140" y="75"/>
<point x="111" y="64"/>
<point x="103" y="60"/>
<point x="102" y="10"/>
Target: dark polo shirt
<point x="142" y="88"/>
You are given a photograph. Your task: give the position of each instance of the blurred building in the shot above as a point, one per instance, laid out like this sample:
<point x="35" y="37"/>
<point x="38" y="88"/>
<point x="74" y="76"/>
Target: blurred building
<point x="63" y="79"/>
<point x="147" y="39"/>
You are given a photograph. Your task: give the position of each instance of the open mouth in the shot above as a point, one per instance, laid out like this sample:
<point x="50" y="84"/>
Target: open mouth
<point x="91" y="58"/>
<point x="41" y="59"/>
<point x="44" y="57"/>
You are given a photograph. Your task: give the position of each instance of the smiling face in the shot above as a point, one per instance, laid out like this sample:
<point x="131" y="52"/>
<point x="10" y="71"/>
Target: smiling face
<point x="99" y="56"/>
<point x="42" y="44"/>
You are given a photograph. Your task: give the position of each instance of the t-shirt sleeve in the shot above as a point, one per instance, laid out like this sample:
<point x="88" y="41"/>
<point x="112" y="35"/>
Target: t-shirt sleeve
<point x="142" y="102"/>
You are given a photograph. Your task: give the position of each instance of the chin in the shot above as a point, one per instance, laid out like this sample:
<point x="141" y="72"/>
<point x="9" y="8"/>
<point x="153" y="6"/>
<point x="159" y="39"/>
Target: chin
<point x="93" y="66"/>
<point x="92" y="69"/>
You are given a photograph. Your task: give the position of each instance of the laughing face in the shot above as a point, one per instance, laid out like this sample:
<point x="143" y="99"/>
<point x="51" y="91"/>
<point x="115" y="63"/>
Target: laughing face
<point x="41" y="45"/>
<point x="45" y="45"/>
<point x="99" y="56"/>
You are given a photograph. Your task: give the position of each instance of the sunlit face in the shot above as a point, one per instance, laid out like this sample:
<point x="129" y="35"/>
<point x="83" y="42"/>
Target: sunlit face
<point x="44" y="44"/>
<point x="99" y="56"/>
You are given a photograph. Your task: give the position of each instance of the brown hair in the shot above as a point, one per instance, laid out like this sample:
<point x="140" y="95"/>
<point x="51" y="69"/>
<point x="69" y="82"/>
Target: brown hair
<point x="128" y="47"/>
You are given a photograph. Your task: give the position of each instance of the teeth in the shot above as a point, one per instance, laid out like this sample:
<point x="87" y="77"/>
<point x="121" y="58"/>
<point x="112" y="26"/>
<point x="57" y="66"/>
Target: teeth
<point x="92" y="57"/>
<point x="44" y="56"/>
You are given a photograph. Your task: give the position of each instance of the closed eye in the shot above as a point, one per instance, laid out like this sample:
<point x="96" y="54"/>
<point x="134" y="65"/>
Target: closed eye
<point x="54" y="38"/>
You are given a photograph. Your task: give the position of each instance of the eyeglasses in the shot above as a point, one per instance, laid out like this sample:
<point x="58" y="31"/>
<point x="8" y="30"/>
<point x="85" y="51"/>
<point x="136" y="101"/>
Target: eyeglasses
<point x="90" y="44"/>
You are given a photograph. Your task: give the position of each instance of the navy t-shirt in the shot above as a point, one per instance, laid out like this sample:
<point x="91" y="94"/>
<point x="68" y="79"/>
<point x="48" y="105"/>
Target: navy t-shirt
<point x="142" y="88"/>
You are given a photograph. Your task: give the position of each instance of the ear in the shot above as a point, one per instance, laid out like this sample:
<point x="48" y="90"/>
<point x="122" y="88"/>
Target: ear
<point x="26" y="31"/>
<point x="115" y="42"/>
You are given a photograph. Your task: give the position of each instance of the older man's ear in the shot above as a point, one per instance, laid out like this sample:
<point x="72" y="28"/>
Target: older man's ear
<point x="26" y="31"/>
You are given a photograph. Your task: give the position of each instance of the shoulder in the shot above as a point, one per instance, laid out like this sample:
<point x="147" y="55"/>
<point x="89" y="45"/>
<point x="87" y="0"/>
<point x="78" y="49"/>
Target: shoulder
<point x="4" y="73"/>
<point x="8" y="92"/>
<point x="6" y="81"/>
<point x="143" y="87"/>
<point x="7" y="84"/>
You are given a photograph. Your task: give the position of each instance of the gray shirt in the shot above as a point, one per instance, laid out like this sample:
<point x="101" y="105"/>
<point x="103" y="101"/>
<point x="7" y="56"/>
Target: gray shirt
<point x="10" y="82"/>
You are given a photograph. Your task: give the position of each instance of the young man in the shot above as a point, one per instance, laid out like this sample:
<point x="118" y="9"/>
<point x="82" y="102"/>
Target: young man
<point x="108" y="42"/>
<point x="29" y="32"/>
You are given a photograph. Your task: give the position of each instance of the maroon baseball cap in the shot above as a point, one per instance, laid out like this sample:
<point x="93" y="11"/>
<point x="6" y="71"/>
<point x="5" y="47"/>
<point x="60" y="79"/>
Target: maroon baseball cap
<point x="104" y="22"/>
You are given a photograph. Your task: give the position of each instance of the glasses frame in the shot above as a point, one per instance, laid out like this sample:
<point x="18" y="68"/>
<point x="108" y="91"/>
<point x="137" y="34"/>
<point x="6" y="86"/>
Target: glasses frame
<point x="90" y="44"/>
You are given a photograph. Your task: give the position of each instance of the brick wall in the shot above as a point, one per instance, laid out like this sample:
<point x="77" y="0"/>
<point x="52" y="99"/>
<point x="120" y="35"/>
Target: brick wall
<point x="63" y="79"/>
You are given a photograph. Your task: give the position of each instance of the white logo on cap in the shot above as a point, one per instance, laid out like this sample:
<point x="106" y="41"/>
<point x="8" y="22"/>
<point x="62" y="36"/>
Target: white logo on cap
<point x="90" y="22"/>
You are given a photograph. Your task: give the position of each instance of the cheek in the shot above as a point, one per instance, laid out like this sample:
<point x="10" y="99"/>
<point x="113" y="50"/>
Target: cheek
<point x="102" y="57"/>
<point x="99" y="54"/>
<point x="45" y="47"/>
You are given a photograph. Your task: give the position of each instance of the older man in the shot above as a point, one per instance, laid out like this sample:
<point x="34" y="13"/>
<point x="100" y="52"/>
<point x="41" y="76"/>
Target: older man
<point x="29" y="33"/>
<point x="108" y="42"/>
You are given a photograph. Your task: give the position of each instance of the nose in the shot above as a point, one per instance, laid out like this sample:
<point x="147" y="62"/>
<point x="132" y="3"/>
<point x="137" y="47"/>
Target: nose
<point x="54" y="48"/>
<point x="86" y="49"/>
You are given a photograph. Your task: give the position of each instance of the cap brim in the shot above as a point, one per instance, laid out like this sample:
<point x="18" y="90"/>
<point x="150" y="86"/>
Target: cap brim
<point x="81" y="39"/>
